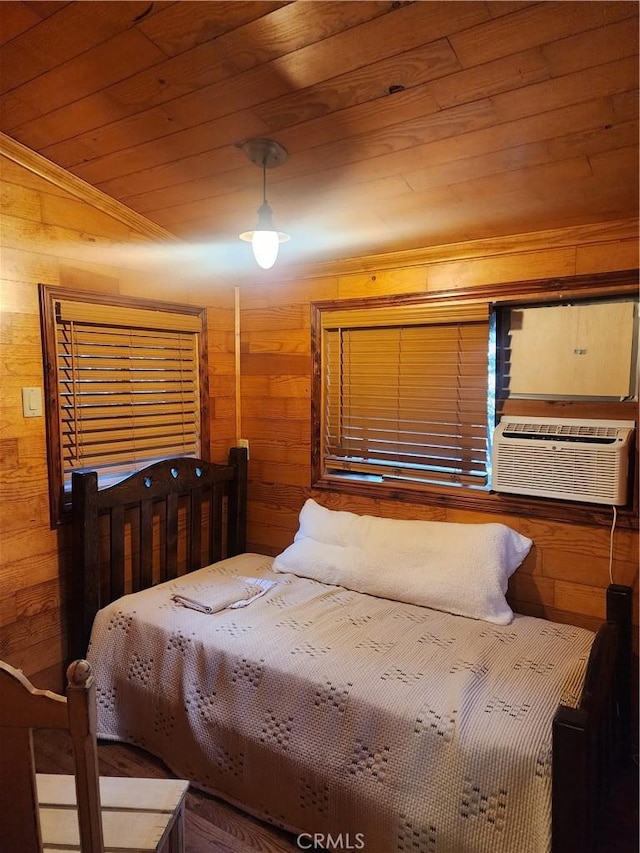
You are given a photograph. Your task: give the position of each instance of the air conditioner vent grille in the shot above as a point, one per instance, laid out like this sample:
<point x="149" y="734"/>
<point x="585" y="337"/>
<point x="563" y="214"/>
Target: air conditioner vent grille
<point x="575" y="473"/>
<point x="553" y="430"/>
<point x="567" y="460"/>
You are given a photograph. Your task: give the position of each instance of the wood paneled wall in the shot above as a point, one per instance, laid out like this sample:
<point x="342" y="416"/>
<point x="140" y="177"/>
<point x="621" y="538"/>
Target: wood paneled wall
<point x="566" y="573"/>
<point x="50" y="235"/>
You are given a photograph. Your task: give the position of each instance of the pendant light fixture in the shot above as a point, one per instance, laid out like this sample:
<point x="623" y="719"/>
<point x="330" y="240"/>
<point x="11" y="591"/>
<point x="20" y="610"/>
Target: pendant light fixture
<point x="265" y="239"/>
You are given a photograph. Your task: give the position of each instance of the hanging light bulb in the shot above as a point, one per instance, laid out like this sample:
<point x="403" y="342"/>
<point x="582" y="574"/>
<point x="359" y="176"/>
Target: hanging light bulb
<point x="265" y="239"/>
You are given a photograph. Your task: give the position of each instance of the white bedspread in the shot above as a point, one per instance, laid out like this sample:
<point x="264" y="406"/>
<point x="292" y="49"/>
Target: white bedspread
<point x="324" y="710"/>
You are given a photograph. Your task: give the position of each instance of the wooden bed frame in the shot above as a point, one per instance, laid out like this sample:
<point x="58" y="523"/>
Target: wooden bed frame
<point x="187" y="494"/>
<point x="144" y="511"/>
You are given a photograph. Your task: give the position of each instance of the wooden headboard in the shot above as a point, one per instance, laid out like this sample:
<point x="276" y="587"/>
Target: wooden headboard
<point x="167" y="519"/>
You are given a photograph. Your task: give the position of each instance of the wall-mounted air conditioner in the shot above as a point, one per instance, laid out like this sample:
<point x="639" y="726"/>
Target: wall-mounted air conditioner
<point x="568" y="459"/>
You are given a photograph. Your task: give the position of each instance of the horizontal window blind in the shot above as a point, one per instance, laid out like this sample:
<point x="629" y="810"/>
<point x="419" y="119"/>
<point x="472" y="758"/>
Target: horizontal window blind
<point x="408" y="402"/>
<point x="404" y="315"/>
<point x="128" y="387"/>
<point x="68" y="311"/>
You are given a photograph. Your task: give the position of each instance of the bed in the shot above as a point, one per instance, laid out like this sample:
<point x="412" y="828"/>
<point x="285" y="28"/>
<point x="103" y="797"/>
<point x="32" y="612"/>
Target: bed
<point x="328" y="710"/>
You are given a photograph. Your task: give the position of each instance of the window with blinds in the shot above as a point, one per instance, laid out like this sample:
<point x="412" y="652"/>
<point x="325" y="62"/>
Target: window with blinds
<point x="405" y="396"/>
<point x="126" y="385"/>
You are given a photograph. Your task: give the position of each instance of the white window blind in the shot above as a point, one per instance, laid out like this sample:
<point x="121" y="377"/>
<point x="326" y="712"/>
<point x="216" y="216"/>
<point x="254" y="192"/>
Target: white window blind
<point x="406" y="400"/>
<point x="128" y="387"/>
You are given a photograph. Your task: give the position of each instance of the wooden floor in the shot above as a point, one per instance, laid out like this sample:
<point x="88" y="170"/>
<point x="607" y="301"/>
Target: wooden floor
<point x="213" y="826"/>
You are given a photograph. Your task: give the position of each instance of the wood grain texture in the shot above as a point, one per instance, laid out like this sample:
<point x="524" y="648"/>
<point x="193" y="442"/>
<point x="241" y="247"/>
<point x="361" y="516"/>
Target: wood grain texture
<point x="507" y="150"/>
<point x="407" y="124"/>
<point x="566" y="574"/>
<point x="53" y="236"/>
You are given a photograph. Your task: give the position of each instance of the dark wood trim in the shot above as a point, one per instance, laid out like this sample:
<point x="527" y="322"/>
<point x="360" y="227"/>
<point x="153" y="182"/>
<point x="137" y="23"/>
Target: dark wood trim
<point x="492" y="502"/>
<point x="51" y="404"/>
<point x="506" y="292"/>
<point x="62" y="293"/>
<point x="619" y="283"/>
<point x="59" y="503"/>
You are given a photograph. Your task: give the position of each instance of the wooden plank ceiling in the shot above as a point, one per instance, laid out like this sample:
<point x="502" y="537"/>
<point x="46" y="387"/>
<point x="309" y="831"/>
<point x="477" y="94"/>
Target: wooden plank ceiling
<point x="407" y="124"/>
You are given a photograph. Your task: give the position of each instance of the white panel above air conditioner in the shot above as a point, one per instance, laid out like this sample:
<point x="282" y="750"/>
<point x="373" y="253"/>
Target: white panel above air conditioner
<point x="566" y="459"/>
<point x="582" y="350"/>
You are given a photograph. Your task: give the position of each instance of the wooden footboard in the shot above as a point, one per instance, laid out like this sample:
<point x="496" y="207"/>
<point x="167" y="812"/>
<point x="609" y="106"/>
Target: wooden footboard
<point x="174" y="516"/>
<point x="589" y="740"/>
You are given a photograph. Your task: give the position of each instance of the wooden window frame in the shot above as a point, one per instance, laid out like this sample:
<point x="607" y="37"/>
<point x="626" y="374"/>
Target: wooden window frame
<point x="59" y="501"/>
<point x="542" y="291"/>
<point x="372" y="425"/>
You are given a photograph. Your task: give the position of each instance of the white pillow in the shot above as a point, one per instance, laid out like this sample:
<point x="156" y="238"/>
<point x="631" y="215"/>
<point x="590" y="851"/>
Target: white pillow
<point x="461" y="568"/>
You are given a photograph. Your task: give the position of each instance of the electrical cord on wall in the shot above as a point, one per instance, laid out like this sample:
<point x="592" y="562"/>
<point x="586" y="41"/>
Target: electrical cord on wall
<point x="613" y="527"/>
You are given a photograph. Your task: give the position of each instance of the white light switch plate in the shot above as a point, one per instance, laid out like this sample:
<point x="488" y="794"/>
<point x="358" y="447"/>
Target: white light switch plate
<point x="32" y="402"/>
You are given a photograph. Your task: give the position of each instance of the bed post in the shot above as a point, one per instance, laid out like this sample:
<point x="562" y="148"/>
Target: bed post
<point x="589" y="740"/>
<point x="86" y="575"/>
<point x="237" y="507"/>
<point x="572" y="783"/>
<point x="619" y="612"/>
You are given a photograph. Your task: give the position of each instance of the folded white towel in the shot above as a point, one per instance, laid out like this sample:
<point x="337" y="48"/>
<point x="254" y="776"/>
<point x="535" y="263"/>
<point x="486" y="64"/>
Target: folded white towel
<point x="263" y="585"/>
<point x="226" y="596"/>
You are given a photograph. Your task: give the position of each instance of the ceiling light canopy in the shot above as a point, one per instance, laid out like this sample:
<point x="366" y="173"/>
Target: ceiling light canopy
<point x="265" y="239"/>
